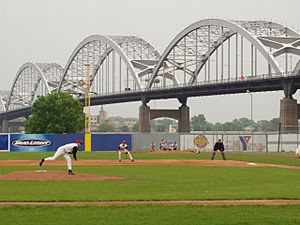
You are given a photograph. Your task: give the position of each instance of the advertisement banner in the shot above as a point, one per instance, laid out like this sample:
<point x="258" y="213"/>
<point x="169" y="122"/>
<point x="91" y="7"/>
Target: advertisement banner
<point x="4" y="142"/>
<point x="31" y="142"/>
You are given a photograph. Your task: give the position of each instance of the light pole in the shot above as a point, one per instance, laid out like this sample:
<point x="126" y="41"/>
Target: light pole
<point x="251" y="104"/>
<point x="251" y="117"/>
<point x="87" y="115"/>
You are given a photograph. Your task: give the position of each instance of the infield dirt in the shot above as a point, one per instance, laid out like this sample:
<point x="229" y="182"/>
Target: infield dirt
<point x="143" y="162"/>
<point x="53" y="175"/>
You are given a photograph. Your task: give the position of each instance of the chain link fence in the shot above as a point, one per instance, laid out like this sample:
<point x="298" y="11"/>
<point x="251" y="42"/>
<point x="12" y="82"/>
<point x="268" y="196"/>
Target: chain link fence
<point x="204" y="141"/>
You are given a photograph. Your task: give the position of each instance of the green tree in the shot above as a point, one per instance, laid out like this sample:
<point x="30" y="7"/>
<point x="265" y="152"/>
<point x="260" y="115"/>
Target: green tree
<point x="135" y="127"/>
<point x="199" y="123"/>
<point x="218" y="126"/>
<point x="265" y="125"/>
<point x="274" y="124"/>
<point x="105" y="127"/>
<point x="162" y="125"/>
<point x="55" y="113"/>
<point x="124" y="128"/>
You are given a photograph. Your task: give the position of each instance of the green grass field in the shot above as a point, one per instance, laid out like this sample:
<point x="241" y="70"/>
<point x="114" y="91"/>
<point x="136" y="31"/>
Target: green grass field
<point x="282" y="158"/>
<point x="161" y="182"/>
<point x="151" y="215"/>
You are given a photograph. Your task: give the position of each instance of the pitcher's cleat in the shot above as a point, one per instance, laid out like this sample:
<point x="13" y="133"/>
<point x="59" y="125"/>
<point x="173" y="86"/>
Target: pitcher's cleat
<point x="132" y="160"/>
<point x="42" y="161"/>
<point x="70" y="172"/>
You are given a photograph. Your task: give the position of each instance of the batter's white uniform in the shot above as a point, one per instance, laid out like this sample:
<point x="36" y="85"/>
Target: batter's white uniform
<point x="64" y="151"/>
<point x="298" y="152"/>
<point x="123" y="149"/>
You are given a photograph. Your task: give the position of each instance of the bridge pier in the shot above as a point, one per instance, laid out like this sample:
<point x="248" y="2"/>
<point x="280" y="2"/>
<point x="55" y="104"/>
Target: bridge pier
<point x="289" y="109"/>
<point x="144" y="118"/>
<point x="184" y="119"/>
<point x="289" y="115"/>
<point x="182" y="115"/>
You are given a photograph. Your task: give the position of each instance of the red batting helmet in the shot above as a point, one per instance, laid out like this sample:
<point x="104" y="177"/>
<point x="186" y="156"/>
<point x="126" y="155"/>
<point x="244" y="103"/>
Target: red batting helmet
<point x="123" y="141"/>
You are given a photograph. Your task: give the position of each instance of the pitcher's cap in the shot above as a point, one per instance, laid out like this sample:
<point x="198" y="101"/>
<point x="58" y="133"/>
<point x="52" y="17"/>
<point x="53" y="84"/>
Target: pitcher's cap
<point x="79" y="141"/>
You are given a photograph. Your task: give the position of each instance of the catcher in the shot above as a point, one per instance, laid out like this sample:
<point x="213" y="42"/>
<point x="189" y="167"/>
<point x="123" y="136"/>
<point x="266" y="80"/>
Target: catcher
<point x="123" y="148"/>
<point x="64" y="151"/>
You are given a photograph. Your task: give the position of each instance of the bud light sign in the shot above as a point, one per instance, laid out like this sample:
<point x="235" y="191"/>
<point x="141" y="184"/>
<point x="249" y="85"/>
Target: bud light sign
<point x="31" y="142"/>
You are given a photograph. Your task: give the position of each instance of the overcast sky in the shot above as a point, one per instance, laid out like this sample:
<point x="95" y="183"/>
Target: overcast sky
<point x="49" y="30"/>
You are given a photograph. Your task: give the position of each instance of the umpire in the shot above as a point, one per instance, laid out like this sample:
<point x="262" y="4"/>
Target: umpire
<point x="218" y="146"/>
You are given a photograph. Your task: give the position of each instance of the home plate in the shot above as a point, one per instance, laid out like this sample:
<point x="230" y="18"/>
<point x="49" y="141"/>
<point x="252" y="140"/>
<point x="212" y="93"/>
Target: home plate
<point x="251" y="164"/>
<point x="41" y="171"/>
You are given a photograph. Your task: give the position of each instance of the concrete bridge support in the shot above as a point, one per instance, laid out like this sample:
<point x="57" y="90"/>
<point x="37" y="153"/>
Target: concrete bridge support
<point x="289" y="115"/>
<point x="289" y="109"/>
<point x="184" y="119"/>
<point x="144" y="118"/>
<point x="182" y="115"/>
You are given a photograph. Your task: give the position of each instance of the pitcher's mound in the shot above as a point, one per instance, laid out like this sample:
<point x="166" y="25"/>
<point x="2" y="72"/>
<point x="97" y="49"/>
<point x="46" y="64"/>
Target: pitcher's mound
<point x="53" y="175"/>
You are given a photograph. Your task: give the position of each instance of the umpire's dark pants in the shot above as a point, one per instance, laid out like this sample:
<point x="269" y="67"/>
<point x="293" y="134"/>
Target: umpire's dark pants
<point x="214" y="153"/>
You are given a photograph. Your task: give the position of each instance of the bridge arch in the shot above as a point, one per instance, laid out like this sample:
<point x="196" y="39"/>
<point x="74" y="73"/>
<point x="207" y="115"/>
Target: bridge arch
<point x="25" y="85"/>
<point x="297" y="69"/>
<point x="95" y="50"/>
<point x="3" y="100"/>
<point x="211" y="40"/>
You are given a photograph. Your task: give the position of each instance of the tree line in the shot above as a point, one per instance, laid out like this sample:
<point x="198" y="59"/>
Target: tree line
<point x="199" y="123"/>
<point x="61" y="113"/>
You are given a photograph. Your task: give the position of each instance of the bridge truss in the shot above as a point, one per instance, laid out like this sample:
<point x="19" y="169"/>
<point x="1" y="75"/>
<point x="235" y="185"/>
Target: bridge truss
<point x="208" y="51"/>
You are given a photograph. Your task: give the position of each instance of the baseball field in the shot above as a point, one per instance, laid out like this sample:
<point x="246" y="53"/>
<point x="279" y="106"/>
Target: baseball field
<point x="157" y="188"/>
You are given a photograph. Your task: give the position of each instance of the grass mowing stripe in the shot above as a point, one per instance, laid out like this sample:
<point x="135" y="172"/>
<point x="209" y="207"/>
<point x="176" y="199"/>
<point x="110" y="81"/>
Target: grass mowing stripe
<point x="284" y="158"/>
<point x="151" y="215"/>
<point x="159" y="183"/>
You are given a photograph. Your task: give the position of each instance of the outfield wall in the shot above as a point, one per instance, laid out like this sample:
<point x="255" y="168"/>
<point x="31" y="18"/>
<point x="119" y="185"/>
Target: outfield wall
<point x="109" y="142"/>
<point x="198" y="141"/>
<point x="242" y="141"/>
<point x="4" y="142"/>
<point x="50" y="142"/>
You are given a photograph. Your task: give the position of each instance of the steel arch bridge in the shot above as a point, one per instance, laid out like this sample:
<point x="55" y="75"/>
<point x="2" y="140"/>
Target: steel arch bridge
<point x="210" y="51"/>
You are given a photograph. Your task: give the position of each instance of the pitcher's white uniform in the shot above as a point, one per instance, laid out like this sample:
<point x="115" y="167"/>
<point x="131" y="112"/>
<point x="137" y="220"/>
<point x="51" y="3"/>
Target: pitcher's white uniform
<point x="123" y="148"/>
<point x="64" y="151"/>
